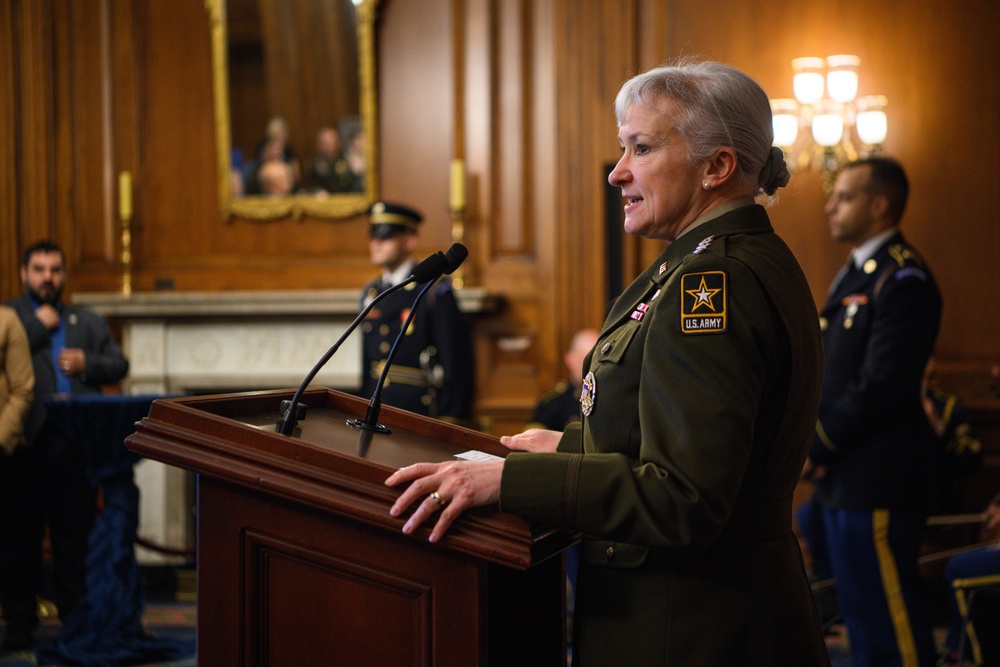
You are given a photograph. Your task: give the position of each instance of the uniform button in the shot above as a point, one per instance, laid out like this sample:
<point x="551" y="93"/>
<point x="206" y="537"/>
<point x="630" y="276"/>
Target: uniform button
<point x="384" y="347"/>
<point x="384" y="329"/>
<point x="366" y="327"/>
<point x="610" y="553"/>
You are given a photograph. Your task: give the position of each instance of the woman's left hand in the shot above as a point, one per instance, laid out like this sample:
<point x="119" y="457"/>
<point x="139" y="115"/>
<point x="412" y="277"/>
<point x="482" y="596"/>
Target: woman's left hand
<point x="451" y="487"/>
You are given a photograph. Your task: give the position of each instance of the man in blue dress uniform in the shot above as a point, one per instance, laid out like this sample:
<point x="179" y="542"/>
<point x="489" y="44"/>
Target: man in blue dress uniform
<point x="874" y="455"/>
<point x="433" y="372"/>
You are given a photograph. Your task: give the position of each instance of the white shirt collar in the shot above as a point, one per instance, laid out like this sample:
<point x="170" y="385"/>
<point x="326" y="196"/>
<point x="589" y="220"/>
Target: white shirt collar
<point x="399" y="275"/>
<point x="866" y="250"/>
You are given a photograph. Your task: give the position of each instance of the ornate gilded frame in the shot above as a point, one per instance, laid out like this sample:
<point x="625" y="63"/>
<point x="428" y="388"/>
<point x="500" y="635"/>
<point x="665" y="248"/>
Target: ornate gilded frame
<point x="270" y="208"/>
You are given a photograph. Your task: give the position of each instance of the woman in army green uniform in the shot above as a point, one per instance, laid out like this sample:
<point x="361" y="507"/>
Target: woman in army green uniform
<point x="699" y="403"/>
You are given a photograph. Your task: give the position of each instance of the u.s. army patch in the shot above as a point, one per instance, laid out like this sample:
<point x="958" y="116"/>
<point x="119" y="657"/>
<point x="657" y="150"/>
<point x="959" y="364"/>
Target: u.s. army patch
<point x="703" y="302"/>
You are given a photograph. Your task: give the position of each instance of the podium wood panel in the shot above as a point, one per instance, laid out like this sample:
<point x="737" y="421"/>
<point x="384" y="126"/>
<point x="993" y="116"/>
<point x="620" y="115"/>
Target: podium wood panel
<point x="299" y="561"/>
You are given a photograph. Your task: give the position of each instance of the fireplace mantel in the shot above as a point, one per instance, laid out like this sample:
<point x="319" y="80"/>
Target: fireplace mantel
<point x="210" y="342"/>
<point x="223" y="341"/>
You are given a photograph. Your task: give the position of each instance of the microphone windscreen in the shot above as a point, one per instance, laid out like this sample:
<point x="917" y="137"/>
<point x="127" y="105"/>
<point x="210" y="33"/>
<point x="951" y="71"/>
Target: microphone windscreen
<point x="455" y="256"/>
<point x="431" y="268"/>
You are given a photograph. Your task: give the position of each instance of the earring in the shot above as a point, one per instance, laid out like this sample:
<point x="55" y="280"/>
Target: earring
<point x="706" y="185"/>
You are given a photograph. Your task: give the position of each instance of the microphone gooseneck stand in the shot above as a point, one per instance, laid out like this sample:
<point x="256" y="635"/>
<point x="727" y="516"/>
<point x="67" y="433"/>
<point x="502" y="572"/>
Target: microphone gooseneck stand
<point x="290" y="416"/>
<point x="427" y="271"/>
<point x="370" y="422"/>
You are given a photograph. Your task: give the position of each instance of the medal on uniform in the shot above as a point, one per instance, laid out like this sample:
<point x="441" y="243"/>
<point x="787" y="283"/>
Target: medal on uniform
<point x="852" y="302"/>
<point x="640" y="312"/>
<point x="588" y="394"/>
<point x="402" y="319"/>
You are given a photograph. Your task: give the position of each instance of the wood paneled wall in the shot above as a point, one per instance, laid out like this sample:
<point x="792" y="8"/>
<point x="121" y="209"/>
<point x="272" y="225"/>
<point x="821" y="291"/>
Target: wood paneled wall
<point x="523" y="91"/>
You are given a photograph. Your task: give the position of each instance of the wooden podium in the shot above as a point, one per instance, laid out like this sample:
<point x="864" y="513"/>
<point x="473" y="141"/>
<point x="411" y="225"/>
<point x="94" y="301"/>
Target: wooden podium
<point x="299" y="562"/>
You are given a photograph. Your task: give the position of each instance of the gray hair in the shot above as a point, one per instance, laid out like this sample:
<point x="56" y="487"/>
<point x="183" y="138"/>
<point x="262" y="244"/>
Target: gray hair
<point x="719" y="106"/>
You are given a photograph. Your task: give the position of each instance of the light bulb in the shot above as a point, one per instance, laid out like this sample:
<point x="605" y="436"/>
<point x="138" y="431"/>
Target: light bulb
<point x="842" y="78"/>
<point x="872" y="123"/>
<point x="828" y="125"/>
<point x="785" y="121"/>
<point x="807" y="82"/>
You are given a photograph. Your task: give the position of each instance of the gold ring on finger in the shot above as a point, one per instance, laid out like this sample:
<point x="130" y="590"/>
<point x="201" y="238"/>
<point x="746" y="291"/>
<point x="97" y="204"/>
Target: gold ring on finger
<point x="438" y="500"/>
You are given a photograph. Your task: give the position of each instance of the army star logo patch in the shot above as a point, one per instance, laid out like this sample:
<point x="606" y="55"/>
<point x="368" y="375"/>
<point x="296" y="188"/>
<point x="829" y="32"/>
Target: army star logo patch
<point x="703" y="302"/>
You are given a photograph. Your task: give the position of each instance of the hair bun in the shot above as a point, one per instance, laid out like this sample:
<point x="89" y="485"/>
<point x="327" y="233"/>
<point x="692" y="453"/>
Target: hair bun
<point x="775" y="174"/>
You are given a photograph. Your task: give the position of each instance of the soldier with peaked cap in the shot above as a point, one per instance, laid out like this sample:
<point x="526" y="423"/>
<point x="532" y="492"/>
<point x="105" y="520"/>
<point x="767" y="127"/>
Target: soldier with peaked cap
<point x="433" y="370"/>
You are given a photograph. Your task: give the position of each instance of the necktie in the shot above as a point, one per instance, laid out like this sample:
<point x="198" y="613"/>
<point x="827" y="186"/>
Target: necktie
<point x="846" y="273"/>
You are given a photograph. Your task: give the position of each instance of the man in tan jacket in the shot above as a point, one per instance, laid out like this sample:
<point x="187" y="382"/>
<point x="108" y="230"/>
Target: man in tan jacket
<point x="17" y="379"/>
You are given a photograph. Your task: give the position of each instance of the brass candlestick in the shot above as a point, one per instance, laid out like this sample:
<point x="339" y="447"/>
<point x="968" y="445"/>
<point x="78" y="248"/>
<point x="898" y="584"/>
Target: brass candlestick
<point x="457" y="233"/>
<point x="125" y="213"/>
<point x="456" y="203"/>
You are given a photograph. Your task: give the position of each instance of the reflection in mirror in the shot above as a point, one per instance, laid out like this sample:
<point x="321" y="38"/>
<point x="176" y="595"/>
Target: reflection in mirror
<point x="295" y="106"/>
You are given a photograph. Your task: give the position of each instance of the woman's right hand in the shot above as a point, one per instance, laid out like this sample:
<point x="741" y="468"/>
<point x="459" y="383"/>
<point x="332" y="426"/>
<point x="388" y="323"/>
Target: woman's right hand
<point x="533" y="440"/>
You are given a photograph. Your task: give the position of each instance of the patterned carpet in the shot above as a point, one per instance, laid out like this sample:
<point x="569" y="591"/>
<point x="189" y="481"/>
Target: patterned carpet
<point x="166" y="620"/>
<point x="176" y="620"/>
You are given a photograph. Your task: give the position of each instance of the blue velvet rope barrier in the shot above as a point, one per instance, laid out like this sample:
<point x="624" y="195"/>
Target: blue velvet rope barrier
<point x="105" y="628"/>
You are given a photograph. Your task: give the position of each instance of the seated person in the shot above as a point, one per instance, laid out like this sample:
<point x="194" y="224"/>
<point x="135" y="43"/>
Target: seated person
<point x="355" y="151"/>
<point x="271" y="152"/>
<point x="276" y="178"/>
<point x="328" y="172"/>
<point x="961" y="453"/>
<point x="982" y="641"/>
<point x="561" y="405"/>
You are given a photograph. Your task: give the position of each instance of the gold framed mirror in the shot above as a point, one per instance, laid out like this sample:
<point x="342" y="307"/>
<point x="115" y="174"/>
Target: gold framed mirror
<point x="295" y="109"/>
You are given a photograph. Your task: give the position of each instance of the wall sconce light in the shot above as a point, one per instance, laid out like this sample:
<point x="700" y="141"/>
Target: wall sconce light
<point x="829" y="118"/>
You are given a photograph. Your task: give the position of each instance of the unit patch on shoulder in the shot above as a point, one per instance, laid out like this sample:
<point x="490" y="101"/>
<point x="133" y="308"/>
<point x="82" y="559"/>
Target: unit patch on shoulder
<point x="703" y="302"/>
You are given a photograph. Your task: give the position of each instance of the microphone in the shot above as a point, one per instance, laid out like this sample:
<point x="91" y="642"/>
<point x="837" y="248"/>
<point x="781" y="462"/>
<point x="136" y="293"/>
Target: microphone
<point x="440" y="263"/>
<point x="427" y="271"/>
<point x="450" y="261"/>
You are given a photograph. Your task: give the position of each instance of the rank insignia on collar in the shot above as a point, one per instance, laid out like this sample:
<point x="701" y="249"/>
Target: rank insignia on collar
<point x="703" y="302"/>
<point x="663" y="268"/>
<point x="703" y="245"/>
<point x="588" y="394"/>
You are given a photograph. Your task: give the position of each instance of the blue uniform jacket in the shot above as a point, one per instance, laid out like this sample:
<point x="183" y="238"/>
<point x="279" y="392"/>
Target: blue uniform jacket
<point x="440" y="331"/>
<point x="879" y="326"/>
